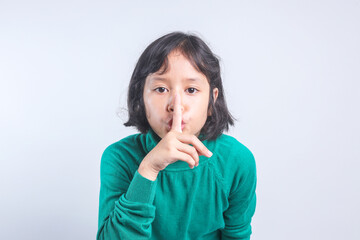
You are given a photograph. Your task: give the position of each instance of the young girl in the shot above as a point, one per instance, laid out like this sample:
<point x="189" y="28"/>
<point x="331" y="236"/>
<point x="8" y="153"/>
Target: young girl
<point x="180" y="177"/>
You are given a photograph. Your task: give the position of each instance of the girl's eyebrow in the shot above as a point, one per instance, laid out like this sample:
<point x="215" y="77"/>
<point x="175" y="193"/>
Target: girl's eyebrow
<point x="165" y="79"/>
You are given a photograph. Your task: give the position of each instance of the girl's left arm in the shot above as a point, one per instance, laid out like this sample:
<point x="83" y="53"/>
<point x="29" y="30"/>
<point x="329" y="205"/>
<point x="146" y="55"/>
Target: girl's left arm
<point x="242" y="202"/>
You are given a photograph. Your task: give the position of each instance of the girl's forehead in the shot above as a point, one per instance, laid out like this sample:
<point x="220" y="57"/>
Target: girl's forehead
<point x="178" y="68"/>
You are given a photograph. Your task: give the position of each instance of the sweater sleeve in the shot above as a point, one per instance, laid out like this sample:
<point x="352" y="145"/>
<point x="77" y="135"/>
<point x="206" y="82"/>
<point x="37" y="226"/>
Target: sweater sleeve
<point x="242" y="201"/>
<point x="126" y="208"/>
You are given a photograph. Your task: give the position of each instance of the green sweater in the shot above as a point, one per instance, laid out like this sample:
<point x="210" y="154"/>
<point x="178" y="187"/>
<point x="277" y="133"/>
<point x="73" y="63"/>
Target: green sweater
<point x="215" y="200"/>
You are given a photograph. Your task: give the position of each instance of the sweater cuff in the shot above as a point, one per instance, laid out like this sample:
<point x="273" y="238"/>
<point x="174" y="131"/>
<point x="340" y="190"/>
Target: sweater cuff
<point x="141" y="189"/>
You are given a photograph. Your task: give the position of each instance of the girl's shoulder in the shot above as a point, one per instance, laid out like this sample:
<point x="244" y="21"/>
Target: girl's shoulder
<point x="126" y="148"/>
<point x="234" y="151"/>
<point x="231" y="144"/>
<point x="127" y="142"/>
<point x="121" y="157"/>
<point x="235" y="164"/>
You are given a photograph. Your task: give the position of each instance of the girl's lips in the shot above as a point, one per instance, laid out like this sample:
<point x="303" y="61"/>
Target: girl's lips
<point x="170" y="125"/>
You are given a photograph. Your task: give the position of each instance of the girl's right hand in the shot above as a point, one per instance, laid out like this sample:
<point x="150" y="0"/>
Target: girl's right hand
<point x="174" y="146"/>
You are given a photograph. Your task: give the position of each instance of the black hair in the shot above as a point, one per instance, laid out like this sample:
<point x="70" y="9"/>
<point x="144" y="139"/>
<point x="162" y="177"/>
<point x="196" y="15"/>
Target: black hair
<point x="201" y="57"/>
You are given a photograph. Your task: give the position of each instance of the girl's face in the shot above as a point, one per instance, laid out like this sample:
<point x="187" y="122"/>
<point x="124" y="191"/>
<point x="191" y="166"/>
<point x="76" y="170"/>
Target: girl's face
<point x="192" y="87"/>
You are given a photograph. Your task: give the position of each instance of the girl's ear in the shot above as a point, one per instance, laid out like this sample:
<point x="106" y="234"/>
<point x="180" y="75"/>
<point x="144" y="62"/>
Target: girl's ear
<point x="215" y="95"/>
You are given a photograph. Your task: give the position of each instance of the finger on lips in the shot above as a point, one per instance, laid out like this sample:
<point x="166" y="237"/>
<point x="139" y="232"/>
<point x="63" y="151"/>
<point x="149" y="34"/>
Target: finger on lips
<point x="177" y="115"/>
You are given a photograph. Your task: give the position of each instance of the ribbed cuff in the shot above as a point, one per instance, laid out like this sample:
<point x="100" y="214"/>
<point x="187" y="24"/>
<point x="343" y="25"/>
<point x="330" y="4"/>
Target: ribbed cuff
<point x="141" y="189"/>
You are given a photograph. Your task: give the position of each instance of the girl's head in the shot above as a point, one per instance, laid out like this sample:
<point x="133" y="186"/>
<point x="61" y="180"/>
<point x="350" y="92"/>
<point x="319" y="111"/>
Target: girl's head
<point x="182" y="64"/>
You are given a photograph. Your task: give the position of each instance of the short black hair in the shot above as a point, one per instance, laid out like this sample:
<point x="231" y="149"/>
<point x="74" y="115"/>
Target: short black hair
<point x="201" y="57"/>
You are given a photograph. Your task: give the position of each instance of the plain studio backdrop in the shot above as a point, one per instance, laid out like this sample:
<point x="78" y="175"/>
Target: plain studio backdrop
<point x="291" y="76"/>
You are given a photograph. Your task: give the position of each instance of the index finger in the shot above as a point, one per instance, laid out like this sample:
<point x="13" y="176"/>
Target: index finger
<point x="177" y="115"/>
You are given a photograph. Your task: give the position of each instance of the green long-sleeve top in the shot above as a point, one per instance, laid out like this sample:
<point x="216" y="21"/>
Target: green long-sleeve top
<point x="215" y="200"/>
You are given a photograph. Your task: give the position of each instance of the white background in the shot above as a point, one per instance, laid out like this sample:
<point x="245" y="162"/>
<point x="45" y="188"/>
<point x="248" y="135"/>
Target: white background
<point x="291" y="76"/>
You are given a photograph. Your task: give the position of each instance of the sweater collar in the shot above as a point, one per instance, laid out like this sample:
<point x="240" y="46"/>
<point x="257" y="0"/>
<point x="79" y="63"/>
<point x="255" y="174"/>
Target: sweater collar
<point x="152" y="139"/>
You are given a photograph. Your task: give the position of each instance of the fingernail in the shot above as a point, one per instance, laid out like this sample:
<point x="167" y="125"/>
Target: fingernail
<point x="210" y="153"/>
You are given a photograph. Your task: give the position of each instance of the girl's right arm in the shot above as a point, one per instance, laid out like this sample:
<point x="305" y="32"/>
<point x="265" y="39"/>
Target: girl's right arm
<point x="126" y="208"/>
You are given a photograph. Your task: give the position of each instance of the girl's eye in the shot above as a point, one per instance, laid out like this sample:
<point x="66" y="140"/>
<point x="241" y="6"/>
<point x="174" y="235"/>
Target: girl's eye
<point x="160" y="89"/>
<point x="192" y="90"/>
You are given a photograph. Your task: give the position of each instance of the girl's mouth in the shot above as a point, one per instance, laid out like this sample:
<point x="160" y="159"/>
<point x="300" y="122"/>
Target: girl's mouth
<point x="169" y="126"/>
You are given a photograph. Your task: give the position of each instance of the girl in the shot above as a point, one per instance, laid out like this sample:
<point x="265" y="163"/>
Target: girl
<point x="180" y="177"/>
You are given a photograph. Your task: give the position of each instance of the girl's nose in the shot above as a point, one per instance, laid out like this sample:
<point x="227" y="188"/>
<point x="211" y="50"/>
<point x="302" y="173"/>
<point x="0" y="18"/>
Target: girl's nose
<point x="171" y="104"/>
<point x="171" y="108"/>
